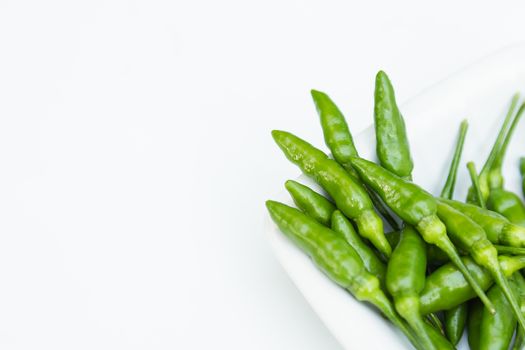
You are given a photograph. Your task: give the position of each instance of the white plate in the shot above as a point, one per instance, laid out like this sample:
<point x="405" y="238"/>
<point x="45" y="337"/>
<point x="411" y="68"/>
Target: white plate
<point x="481" y="93"/>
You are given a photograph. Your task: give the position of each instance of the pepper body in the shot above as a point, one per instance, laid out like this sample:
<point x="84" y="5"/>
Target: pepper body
<point x="332" y="255"/>
<point x="349" y="196"/>
<point x="455" y="321"/>
<point x="392" y="146"/>
<point x="339" y="140"/>
<point x="496" y="330"/>
<point x="519" y="342"/>
<point x="371" y="261"/>
<point x="446" y="287"/>
<point x="498" y="229"/>
<point x="416" y="207"/>
<point x="471" y="237"/>
<point x="435" y="256"/>
<point x="310" y="202"/>
<point x="475" y="312"/>
<point x="507" y="204"/>
<point x="405" y="279"/>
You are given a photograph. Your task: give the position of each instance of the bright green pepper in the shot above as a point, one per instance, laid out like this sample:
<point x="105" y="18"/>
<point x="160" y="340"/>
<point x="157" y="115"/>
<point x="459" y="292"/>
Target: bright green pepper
<point x="310" y="202"/>
<point x="435" y="256"/>
<point x="484" y="174"/>
<point x="392" y="146"/>
<point x="416" y="207"/>
<point x="496" y="330"/>
<point x="519" y="342"/>
<point x="349" y="196"/>
<point x="498" y="229"/>
<point x="339" y="140"/>
<point x="446" y="287"/>
<point x="373" y="264"/>
<point x="336" y="259"/>
<point x="475" y="312"/>
<point x="450" y="183"/>
<point x="405" y="279"/>
<point x="455" y="321"/>
<point x="471" y="237"/>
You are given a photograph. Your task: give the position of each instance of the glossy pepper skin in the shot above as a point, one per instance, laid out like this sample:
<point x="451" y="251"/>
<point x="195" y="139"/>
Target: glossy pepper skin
<point x="332" y="255"/>
<point x="471" y="237"/>
<point x="475" y="312"/>
<point x="498" y="229"/>
<point x="455" y="321"/>
<point x="496" y="330"/>
<point x="417" y="208"/>
<point x="406" y="278"/>
<point x="446" y="287"/>
<point x="519" y="342"/>
<point x="392" y="146"/>
<point x="339" y="140"/>
<point x="371" y="261"/>
<point x="484" y="174"/>
<point x="435" y="256"/>
<point x="349" y="196"/>
<point x="310" y="202"/>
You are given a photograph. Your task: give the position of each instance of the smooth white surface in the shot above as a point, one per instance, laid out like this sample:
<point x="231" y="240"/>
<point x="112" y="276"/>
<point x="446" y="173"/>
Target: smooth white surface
<point x="135" y="155"/>
<point x="480" y="92"/>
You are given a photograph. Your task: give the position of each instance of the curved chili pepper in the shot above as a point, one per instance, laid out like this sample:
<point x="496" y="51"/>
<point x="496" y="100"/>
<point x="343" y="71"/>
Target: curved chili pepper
<point x="416" y="207"/>
<point x="339" y="140"/>
<point x="496" y="330"/>
<point x="446" y="287"/>
<point x="310" y="202"/>
<point x="455" y="321"/>
<point x="373" y="264"/>
<point x="475" y="312"/>
<point x="498" y="229"/>
<point x="336" y="259"/>
<point x="484" y="174"/>
<point x="349" y="196"/>
<point x="405" y="279"/>
<point x="392" y="146"/>
<point x="450" y="183"/>
<point x="471" y="237"/>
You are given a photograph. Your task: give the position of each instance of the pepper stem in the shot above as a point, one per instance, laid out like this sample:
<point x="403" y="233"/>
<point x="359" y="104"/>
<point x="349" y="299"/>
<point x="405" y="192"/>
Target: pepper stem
<point x="448" y="188"/>
<point x="495" y="175"/>
<point x="475" y="183"/>
<point x="449" y="249"/>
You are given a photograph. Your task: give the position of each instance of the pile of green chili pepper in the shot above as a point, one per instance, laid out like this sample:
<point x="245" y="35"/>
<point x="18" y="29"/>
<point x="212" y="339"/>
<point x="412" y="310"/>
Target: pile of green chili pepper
<point x="433" y="266"/>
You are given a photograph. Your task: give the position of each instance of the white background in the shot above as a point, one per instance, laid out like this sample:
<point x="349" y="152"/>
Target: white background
<point x="135" y="155"/>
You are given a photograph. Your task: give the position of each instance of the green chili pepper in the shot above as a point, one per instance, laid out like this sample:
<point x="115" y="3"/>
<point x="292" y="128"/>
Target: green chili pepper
<point x="446" y="287"/>
<point x="336" y="259"/>
<point x="498" y="229"/>
<point x="405" y="279"/>
<point x="435" y="256"/>
<point x="484" y="174"/>
<point x="502" y="249"/>
<point x="519" y="342"/>
<point x="522" y="173"/>
<point x="455" y="321"/>
<point x="496" y="330"/>
<point x="310" y="202"/>
<point x="448" y="188"/>
<point x="475" y="312"/>
<point x="339" y="140"/>
<point x="348" y="195"/>
<point x="471" y="237"/>
<point x="416" y="207"/>
<point x="373" y="264"/>
<point x="392" y="146"/>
